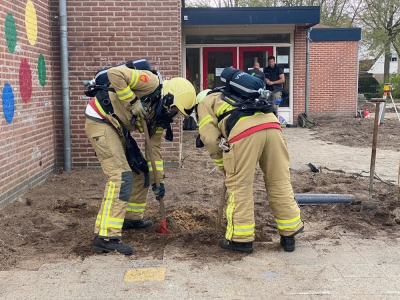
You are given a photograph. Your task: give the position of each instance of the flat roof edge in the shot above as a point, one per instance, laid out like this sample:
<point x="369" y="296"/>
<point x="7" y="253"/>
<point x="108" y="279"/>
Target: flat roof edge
<point x="335" y="34"/>
<point x="298" y="15"/>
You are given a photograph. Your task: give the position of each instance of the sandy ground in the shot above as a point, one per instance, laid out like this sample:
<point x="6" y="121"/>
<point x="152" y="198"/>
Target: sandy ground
<point x="54" y="222"/>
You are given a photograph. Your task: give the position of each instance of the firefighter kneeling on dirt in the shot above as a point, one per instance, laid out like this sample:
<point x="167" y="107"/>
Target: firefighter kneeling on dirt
<point x="110" y="116"/>
<point x="252" y="139"/>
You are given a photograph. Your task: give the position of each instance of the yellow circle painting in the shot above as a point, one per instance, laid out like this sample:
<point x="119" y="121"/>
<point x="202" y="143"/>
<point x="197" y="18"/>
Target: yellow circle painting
<point x="31" y="22"/>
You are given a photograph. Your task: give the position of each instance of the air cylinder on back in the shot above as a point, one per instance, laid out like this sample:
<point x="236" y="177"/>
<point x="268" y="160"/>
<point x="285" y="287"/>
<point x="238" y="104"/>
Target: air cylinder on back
<point x="101" y="77"/>
<point x="241" y="83"/>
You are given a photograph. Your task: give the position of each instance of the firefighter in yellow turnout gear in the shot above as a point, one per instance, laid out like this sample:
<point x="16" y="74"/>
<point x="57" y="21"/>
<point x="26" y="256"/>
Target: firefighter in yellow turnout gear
<point x="125" y="193"/>
<point x="253" y="139"/>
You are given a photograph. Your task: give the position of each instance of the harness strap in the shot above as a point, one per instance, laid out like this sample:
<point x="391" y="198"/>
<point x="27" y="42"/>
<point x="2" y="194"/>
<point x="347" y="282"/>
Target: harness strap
<point x="253" y="129"/>
<point x="242" y="109"/>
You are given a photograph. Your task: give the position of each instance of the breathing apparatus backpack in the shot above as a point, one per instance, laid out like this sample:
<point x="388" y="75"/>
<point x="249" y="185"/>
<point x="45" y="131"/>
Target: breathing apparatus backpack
<point x="101" y="77"/>
<point x="241" y="84"/>
<point x="101" y="82"/>
<point x="100" y="86"/>
<point x="245" y="93"/>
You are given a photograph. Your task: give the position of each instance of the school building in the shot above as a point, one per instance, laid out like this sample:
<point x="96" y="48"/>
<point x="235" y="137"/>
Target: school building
<point x="49" y="48"/>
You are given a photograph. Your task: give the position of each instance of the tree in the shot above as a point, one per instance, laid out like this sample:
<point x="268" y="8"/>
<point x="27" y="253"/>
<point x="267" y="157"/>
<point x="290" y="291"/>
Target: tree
<point x="335" y="13"/>
<point x="381" y="28"/>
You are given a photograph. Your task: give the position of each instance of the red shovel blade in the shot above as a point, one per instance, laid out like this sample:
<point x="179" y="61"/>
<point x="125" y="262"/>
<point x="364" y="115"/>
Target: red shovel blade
<point x="163" y="228"/>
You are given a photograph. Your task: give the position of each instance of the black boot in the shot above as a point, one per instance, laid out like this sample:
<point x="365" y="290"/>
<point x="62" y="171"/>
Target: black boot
<point x="136" y="224"/>
<point x="106" y="246"/>
<point x="288" y="242"/>
<point x="237" y="246"/>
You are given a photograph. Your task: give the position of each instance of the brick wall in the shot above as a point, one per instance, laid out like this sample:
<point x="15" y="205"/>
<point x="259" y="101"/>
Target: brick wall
<point x="299" y="72"/>
<point x="106" y="33"/>
<point x="333" y="77"/>
<point x="26" y="111"/>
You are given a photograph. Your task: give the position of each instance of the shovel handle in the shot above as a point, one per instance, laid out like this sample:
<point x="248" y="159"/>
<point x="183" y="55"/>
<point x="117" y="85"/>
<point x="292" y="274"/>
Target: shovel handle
<point x="153" y="165"/>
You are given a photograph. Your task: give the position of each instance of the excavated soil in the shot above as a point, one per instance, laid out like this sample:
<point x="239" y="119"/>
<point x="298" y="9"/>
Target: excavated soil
<point x="54" y="222"/>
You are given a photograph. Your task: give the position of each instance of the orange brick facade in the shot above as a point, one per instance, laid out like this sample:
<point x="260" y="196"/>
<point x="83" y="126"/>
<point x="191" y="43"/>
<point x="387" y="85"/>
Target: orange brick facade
<point x="299" y="73"/>
<point x="333" y="77"/>
<point x="108" y="33"/>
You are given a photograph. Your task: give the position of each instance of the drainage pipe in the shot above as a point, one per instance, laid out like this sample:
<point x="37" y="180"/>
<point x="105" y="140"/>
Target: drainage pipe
<point x="65" y="84"/>
<point x="324" y="198"/>
<point x="307" y="69"/>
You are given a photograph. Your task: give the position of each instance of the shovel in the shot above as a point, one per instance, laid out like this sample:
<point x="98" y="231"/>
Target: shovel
<point x="373" y="205"/>
<point x="163" y="227"/>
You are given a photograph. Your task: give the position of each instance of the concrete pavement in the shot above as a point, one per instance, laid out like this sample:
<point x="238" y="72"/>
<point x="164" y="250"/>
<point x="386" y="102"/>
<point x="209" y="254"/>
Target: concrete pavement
<point x="305" y="147"/>
<point x="349" y="267"/>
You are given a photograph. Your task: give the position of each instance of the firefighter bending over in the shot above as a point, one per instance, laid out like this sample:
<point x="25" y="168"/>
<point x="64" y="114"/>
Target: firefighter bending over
<point x="110" y="117"/>
<point x="236" y="143"/>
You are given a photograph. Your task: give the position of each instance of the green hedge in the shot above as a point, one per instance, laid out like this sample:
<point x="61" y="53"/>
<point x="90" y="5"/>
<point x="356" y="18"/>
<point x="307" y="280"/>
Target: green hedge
<point x="395" y="82"/>
<point x="371" y="88"/>
<point x="368" y="85"/>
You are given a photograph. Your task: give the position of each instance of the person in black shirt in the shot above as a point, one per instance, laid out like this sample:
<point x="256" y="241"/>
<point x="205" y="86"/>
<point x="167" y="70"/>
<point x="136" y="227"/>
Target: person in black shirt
<point x="274" y="79"/>
<point x="256" y="72"/>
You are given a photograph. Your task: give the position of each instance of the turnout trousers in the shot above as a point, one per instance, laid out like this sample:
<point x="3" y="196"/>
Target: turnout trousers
<point x="124" y="190"/>
<point x="267" y="148"/>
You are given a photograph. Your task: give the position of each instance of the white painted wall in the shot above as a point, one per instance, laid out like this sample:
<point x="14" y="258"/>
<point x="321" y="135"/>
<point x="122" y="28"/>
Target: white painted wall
<point x="377" y="68"/>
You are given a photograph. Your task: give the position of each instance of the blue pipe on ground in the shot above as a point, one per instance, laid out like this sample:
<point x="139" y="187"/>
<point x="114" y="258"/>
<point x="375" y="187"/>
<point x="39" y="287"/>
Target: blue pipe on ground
<point x="324" y="198"/>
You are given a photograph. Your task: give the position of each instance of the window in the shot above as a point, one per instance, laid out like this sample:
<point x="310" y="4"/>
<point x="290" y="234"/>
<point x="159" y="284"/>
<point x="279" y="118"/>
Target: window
<point x="193" y="67"/>
<point x="283" y="61"/>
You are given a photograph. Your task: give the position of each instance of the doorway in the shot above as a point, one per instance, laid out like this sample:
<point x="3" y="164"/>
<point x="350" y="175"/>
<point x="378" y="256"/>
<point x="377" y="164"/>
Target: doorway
<point x="249" y="55"/>
<point x="215" y="59"/>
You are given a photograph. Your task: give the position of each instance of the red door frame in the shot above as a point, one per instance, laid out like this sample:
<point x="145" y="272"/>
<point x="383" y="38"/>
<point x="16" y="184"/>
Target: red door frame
<point x="270" y="50"/>
<point x="206" y="50"/>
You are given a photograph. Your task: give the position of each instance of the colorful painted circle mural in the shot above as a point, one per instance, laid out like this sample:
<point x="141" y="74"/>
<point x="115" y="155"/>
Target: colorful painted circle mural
<point x="42" y="70"/>
<point x="25" y="81"/>
<point x="10" y="33"/>
<point x="31" y="22"/>
<point x="8" y="102"/>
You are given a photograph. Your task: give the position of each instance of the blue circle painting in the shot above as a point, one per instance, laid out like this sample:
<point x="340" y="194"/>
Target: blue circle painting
<point x="8" y="102"/>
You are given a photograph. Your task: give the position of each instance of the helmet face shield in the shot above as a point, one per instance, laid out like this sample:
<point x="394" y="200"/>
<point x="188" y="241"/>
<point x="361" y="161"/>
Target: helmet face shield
<point x="172" y="112"/>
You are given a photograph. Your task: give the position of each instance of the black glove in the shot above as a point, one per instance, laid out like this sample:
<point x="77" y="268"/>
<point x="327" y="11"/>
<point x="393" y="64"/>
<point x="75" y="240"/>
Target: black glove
<point x="199" y="143"/>
<point x="158" y="192"/>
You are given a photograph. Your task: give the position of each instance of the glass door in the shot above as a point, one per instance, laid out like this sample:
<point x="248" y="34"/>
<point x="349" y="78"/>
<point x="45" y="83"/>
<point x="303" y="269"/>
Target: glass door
<point x="215" y="59"/>
<point x="249" y="55"/>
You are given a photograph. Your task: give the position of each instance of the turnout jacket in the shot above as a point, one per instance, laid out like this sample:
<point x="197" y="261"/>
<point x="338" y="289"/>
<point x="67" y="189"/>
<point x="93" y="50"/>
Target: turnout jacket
<point x="211" y="130"/>
<point x="128" y="84"/>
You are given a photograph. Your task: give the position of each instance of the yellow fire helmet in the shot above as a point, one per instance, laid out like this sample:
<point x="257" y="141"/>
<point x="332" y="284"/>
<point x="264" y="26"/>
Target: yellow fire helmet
<point x="200" y="96"/>
<point x="183" y="92"/>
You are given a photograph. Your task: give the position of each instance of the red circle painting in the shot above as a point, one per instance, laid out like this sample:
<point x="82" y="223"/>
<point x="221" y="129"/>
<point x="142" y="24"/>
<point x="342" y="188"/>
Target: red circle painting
<point x="25" y="81"/>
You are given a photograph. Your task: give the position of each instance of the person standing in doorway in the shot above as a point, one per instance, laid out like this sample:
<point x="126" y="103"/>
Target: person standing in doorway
<point x="274" y="79"/>
<point x="256" y="72"/>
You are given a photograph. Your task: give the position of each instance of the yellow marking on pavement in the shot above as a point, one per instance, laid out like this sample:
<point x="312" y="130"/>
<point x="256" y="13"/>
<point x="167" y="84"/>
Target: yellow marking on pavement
<point x="148" y="274"/>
